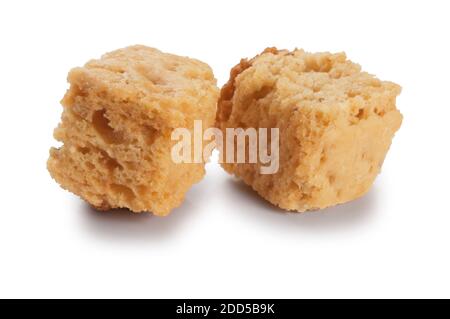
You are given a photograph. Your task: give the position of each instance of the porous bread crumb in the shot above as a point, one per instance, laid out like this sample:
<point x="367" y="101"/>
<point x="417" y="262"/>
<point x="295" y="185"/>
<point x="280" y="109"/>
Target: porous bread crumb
<point x="335" y="125"/>
<point x="116" y="128"/>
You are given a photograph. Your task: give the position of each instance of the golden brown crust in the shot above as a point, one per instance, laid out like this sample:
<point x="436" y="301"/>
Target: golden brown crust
<point x="336" y="125"/>
<point x="227" y="91"/>
<point x="118" y="117"/>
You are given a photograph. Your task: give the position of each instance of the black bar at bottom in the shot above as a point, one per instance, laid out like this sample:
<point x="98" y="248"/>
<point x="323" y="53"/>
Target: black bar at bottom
<point x="222" y="308"/>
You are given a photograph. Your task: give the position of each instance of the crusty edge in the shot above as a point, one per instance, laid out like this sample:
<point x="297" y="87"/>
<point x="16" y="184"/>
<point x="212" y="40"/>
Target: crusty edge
<point x="224" y="105"/>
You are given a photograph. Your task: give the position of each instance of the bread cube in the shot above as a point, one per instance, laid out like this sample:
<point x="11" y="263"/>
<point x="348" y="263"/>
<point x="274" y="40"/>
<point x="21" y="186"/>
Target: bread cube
<point x="116" y="129"/>
<point x="335" y="125"/>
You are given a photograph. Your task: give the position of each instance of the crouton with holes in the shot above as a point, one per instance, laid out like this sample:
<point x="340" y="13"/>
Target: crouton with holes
<point x="116" y="129"/>
<point x="335" y="122"/>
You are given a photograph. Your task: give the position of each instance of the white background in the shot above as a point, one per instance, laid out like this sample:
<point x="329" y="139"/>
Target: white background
<point x="224" y="241"/>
